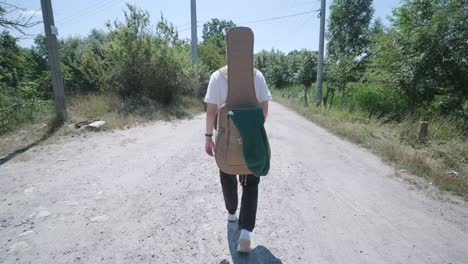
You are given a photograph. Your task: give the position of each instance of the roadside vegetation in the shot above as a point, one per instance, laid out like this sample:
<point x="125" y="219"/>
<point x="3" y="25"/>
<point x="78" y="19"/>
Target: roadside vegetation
<point x="130" y="73"/>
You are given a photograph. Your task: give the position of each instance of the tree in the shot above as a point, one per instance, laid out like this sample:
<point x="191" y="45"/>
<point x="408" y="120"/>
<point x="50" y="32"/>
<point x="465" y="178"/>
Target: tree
<point x="38" y="76"/>
<point x="212" y="56"/>
<point x="380" y="43"/>
<point x="213" y="48"/>
<point x="282" y="70"/>
<point x="83" y="65"/>
<point x="307" y="72"/>
<point x="261" y="60"/>
<point x="277" y="69"/>
<point x="348" y="41"/>
<point x="168" y="33"/>
<point x="145" y="65"/>
<point x="129" y="52"/>
<point x="20" y="22"/>
<point x="216" y="30"/>
<point x="23" y="72"/>
<point x="11" y="61"/>
<point x="348" y="28"/>
<point x="423" y="55"/>
<point x="40" y="46"/>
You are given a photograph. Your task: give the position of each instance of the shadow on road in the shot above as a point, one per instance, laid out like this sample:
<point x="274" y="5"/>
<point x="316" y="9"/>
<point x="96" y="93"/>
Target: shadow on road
<point x="259" y="255"/>
<point x="53" y="127"/>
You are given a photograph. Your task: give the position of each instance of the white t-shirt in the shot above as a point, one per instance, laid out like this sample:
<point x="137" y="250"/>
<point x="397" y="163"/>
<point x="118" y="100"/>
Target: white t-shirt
<point x="218" y="89"/>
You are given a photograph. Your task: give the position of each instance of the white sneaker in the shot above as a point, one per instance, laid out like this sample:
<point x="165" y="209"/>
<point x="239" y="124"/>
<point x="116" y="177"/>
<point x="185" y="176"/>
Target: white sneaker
<point x="244" y="242"/>
<point x="231" y="217"/>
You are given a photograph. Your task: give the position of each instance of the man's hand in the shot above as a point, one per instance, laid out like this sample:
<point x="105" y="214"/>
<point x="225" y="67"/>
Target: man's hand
<point x="209" y="146"/>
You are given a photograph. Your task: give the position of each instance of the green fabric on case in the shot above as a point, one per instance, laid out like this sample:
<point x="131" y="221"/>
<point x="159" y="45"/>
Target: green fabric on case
<point x="255" y="147"/>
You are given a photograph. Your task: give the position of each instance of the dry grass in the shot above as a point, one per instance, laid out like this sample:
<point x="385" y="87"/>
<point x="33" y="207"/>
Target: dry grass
<point x="117" y="114"/>
<point x="397" y="143"/>
<point x="124" y="114"/>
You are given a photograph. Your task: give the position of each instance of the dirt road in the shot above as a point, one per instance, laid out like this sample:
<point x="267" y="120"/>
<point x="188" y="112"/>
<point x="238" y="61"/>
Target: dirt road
<point x="150" y="195"/>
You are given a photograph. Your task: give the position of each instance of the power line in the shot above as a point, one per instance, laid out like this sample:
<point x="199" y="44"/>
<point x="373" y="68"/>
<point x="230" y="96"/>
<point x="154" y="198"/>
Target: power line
<point x="95" y="10"/>
<point x="188" y="26"/>
<point x="305" y="3"/>
<point x="298" y="28"/>
<point x="185" y="24"/>
<point x="266" y="19"/>
<point x="279" y="17"/>
<point x="84" y="12"/>
<point x="111" y="3"/>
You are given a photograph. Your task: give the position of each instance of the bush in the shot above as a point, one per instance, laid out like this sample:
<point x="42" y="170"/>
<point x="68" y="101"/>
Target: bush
<point x="163" y="80"/>
<point x="143" y="64"/>
<point x="197" y="82"/>
<point x="282" y="70"/>
<point x="212" y="56"/>
<point x="376" y="100"/>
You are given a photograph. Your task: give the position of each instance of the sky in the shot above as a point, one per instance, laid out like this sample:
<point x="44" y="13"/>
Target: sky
<point x="77" y="18"/>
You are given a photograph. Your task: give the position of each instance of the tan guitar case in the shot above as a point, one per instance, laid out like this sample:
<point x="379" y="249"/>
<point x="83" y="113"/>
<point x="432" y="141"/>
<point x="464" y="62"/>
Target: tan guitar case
<point x="239" y="73"/>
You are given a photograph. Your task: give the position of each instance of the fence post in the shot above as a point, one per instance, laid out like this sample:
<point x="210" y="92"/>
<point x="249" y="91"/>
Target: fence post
<point x="423" y="132"/>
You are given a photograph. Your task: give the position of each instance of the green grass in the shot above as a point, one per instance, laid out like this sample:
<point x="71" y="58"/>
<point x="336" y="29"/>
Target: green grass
<point x="17" y="112"/>
<point x="396" y="142"/>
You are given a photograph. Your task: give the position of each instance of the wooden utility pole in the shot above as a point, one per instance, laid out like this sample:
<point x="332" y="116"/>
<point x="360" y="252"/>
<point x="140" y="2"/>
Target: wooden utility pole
<point x="54" y="59"/>
<point x="193" y="8"/>
<point x="318" y="95"/>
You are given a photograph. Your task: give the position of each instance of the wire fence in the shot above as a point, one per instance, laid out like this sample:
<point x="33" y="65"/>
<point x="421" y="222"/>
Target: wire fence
<point x="19" y="109"/>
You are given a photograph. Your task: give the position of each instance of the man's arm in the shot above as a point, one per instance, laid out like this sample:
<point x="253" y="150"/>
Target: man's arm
<point x="211" y="111"/>
<point x="265" y="109"/>
<point x="264" y="94"/>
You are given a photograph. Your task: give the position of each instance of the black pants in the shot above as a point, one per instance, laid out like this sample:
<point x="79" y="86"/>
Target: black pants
<point x="248" y="210"/>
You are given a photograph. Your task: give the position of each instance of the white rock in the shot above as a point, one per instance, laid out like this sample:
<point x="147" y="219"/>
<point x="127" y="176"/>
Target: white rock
<point x="452" y="172"/>
<point x="96" y="124"/>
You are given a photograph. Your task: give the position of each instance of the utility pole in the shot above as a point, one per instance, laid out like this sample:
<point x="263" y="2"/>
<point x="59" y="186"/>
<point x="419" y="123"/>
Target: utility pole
<point x="318" y="95"/>
<point x="193" y="8"/>
<point x="54" y="59"/>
